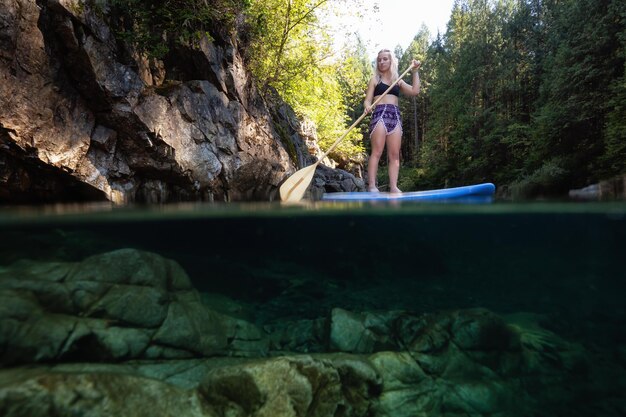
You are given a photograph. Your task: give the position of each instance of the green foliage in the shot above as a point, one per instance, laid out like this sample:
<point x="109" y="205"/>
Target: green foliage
<point x="353" y="75"/>
<point x="575" y="101"/>
<point x="288" y="48"/>
<point x="285" y="42"/>
<point x="614" y="158"/>
<point x="151" y="26"/>
<point x="465" y="118"/>
<point x="290" y="51"/>
<point x="413" y="119"/>
<point x="409" y="179"/>
<point x="530" y="93"/>
<point x="549" y="179"/>
<point x="526" y="92"/>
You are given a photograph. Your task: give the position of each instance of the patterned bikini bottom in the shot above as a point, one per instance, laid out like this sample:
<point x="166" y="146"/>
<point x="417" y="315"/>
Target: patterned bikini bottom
<point x="389" y="116"/>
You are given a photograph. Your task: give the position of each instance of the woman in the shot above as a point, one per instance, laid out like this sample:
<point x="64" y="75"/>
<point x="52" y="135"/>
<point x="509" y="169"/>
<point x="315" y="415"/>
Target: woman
<point x="386" y="124"/>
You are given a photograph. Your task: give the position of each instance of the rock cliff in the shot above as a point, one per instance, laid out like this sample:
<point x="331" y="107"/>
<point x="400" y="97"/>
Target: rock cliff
<point x="83" y="116"/>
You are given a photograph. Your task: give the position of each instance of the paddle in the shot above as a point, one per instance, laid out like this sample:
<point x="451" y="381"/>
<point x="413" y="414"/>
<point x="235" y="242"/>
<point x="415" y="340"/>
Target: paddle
<point x="295" y="186"/>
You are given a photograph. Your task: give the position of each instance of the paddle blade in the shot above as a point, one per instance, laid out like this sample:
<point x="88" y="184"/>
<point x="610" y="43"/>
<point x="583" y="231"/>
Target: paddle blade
<point x="295" y="186"/>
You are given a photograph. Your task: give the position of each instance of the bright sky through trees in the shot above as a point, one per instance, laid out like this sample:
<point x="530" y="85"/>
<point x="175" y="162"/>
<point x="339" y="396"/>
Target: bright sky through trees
<point x="387" y="23"/>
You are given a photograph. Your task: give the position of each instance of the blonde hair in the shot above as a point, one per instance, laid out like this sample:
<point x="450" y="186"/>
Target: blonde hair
<point x="394" y="64"/>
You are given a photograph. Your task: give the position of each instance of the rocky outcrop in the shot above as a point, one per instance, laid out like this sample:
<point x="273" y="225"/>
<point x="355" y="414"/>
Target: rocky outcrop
<point x="281" y="387"/>
<point x="124" y="329"/>
<point x="611" y="189"/>
<point x="39" y="393"/>
<point x="116" y="306"/>
<point x="85" y="117"/>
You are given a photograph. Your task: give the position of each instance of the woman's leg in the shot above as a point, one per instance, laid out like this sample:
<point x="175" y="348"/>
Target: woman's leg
<point x="394" y="141"/>
<point x="378" y="145"/>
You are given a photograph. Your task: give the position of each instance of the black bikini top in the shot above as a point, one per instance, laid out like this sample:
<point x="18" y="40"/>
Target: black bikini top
<point x="381" y="87"/>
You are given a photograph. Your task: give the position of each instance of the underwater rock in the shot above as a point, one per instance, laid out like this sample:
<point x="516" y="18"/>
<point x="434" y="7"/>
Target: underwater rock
<point x="129" y="323"/>
<point x="388" y="384"/>
<point x="120" y="305"/>
<point x="480" y="329"/>
<point x="360" y="333"/>
<point x="470" y="362"/>
<point x="292" y="387"/>
<point x="459" y="363"/>
<point x="302" y="336"/>
<point x="41" y="393"/>
<point x="288" y="386"/>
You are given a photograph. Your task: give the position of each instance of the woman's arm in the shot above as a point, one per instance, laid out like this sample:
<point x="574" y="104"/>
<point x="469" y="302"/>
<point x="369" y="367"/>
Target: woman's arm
<point x="369" y="95"/>
<point x="412" y="89"/>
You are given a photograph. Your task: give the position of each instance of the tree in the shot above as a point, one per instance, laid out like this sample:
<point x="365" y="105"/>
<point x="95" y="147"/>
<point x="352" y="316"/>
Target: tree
<point x="353" y="73"/>
<point x="527" y="92"/>
<point x="291" y="52"/>
<point x="417" y="49"/>
<point x="580" y="93"/>
<point x="153" y="27"/>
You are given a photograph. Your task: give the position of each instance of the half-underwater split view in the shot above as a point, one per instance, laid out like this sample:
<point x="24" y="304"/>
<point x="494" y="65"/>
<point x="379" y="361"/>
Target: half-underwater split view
<point x="312" y="208"/>
<point x="350" y="310"/>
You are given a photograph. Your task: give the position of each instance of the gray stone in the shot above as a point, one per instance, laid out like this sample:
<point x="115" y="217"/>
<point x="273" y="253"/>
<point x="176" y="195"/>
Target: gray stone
<point x="145" y="133"/>
<point x="288" y="386"/>
<point x="246" y="339"/>
<point x="609" y="189"/>
<point x="192" y="327"/>
<point x="142" y="307"/>
<point x="484" y="398"/>
<point x="17" y="304"/>
<point x="105" y="138"/>
<point x="124" y="266"/>
<point x="303" y="336"/>
<point x="482" y="330"/>
<point x="123" y="343"/>
<point x="86" y="294"/>
<point x="44" y="271"/>
<point x="359" y="333"/>
<point x="125" y="304"/>
<point x="40" y="338"/>
<point x="40" y="393"/>
<point x="96" y="340"/>
<point x="348" y="333"/>
<point x="53" y="296"/>
<point x="187" y="373"/>
<point x="139" y="312"/>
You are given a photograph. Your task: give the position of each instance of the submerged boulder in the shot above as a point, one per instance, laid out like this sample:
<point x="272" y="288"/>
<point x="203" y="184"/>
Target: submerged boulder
<point x="40" y="393"/>
<point x="120" y="305"/>
<point x="129" y="323"/>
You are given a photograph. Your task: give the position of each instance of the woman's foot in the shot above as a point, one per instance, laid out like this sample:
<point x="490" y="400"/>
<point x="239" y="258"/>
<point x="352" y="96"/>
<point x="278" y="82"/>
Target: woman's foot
<point x="373" y="190"/>
<point x="395" y="190"/>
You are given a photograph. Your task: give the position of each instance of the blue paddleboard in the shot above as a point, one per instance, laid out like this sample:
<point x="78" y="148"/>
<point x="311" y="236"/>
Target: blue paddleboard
<point x="468" y="191"/>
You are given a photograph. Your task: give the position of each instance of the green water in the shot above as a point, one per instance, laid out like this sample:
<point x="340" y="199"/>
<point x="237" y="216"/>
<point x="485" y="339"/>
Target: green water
<point x="559" y="265"/>
<point x="564" y="261"/>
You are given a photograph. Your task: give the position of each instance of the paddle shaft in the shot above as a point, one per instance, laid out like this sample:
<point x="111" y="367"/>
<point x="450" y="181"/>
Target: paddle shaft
<point x="334" y="145"/>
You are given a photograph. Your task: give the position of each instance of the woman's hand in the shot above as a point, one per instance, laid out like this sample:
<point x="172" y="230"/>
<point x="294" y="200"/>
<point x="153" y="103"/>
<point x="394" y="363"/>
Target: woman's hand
<point x="416" y="64"/>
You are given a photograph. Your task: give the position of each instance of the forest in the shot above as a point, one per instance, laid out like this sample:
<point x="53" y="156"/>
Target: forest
<point x="528" y="94"/>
